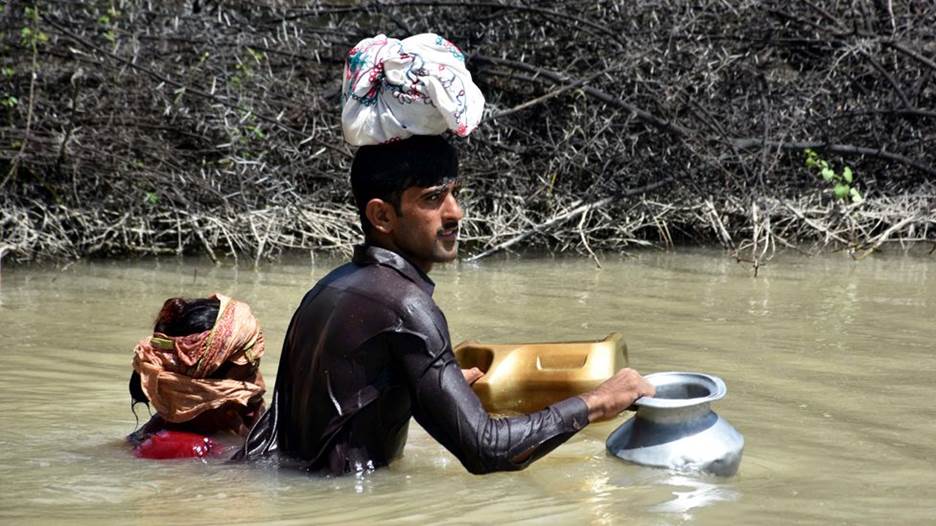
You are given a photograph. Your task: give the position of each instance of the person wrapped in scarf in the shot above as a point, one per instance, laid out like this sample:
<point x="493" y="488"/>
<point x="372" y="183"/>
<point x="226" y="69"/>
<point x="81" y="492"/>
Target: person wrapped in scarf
<point x="200" y="369"/>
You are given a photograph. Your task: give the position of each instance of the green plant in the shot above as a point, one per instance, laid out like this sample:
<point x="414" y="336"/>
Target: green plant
<point x="7" y="100"/>
<point x="255" y="131"/>
<point x="244" y="68"/>
<point x="32" y="36"/>
<point x="256" y="55"/>
<point x="107" y="23"/>
<point x="842" y="183"/>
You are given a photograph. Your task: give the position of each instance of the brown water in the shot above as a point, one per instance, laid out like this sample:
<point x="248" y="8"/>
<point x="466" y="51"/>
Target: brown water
<point x="829" y="365"/>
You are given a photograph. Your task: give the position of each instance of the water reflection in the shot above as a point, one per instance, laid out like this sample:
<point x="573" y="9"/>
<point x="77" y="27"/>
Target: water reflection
<point x="696" y="493"/>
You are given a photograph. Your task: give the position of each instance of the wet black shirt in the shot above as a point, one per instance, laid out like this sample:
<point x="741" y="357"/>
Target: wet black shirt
<point x="367" y="349"/>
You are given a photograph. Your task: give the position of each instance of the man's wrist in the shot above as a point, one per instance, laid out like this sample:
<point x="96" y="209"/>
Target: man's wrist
<point x="595" y="405"/>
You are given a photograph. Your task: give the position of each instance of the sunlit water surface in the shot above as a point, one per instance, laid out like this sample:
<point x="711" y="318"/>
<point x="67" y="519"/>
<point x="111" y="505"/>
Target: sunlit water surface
<point x="830" y="367"/>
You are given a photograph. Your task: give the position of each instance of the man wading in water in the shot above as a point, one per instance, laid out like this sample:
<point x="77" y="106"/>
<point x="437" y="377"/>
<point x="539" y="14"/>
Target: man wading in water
<point x="368" y="348"/>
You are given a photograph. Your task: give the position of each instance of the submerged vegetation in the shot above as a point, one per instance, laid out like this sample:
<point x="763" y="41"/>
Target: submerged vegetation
<point x="130" y="126"/>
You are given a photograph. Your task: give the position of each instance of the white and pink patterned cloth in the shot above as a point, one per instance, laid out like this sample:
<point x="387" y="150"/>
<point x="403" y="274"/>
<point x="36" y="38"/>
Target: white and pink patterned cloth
<point x="394" y="89"/>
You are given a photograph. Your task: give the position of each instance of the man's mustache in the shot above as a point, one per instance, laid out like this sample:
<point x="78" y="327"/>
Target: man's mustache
<point x="451" y="225"/>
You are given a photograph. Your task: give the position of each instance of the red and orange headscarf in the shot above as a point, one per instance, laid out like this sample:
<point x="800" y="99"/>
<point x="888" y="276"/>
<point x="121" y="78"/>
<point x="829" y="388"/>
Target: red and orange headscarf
<point x="174" y="371"/>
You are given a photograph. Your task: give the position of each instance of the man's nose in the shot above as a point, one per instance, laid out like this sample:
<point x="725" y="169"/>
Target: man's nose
<point x="452" y="210"/>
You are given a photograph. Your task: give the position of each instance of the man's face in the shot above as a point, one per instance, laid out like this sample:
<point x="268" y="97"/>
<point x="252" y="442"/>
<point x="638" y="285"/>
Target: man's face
<point x="427" y="228"/>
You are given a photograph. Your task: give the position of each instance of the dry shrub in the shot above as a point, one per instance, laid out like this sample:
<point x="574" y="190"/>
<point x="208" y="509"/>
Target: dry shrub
<point x="213" y="127"/>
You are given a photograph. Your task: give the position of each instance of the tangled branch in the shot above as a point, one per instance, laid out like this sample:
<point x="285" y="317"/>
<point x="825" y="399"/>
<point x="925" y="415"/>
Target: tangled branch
<point x="213" y="128"/>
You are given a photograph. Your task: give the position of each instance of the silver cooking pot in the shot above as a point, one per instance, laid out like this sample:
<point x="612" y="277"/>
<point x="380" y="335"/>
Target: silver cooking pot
<point x="677" y="428"/>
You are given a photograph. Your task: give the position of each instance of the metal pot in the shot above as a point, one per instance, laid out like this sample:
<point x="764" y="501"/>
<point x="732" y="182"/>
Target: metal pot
<point x="677" y="428"/>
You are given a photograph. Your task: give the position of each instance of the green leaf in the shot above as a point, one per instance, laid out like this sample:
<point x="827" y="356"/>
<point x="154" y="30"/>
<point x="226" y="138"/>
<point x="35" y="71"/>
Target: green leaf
<point x="8" y="71"/>
<point x="151" y="198"/>
<point x="828" y="174"/>
<point x="847" y="174"/>
<point x="841" y="190"/>
<point x="256" y="132"/>
<point x="810" y="158"/>
<point x="855" y="196"/>
<point x="256" y="55"/>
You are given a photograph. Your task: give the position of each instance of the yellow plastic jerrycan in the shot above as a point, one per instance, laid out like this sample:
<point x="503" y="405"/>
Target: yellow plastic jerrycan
<point x="527" y="377"/>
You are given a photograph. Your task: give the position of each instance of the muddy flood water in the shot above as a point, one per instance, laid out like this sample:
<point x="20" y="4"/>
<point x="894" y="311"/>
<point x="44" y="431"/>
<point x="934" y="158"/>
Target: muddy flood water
<point x="830" y="366"/>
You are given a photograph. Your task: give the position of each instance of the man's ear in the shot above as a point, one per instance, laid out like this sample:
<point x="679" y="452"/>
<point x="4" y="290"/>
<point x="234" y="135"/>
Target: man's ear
<point x="381" y="214"/>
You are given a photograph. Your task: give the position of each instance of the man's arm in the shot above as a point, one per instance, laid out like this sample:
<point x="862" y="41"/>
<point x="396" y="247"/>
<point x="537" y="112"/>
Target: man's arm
<point x="449" y="410"/>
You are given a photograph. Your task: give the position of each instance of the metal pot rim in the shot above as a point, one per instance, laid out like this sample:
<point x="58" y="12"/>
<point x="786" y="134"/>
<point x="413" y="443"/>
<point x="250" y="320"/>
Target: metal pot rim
<point x="715" y="386"/>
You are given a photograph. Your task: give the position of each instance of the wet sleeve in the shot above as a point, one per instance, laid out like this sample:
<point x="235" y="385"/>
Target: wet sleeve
<point x="448" y="409"/>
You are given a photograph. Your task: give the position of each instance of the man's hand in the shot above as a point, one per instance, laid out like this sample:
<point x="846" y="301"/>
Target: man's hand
<point x="616" y="394"/>
<point x="472" y="375"/>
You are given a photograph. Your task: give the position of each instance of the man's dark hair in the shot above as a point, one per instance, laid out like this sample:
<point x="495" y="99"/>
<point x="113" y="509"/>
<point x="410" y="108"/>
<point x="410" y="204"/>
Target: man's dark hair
<point x="385" y="171"/>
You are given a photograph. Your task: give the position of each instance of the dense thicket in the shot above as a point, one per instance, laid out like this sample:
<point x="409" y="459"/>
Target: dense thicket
<point x="177" y="127"/>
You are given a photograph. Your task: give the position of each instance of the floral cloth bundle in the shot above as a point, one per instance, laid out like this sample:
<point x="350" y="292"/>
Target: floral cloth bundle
<point x="394" y="89"/>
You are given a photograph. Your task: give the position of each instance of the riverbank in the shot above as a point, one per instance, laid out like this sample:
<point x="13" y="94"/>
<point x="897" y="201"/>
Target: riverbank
<point x="191" y="128"/>
<point x="750" y="230"/>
